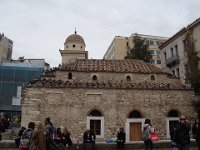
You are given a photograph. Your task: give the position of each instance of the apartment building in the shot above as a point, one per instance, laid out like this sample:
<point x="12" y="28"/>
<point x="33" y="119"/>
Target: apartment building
<point x="6" y="47"/>
<point x="173" y="53"/>
<point x="120" y="45"/>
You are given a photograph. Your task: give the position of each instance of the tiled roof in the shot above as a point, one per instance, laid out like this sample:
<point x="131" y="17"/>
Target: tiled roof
<point x="49" y="83"/>
<point x="95" y="65"/>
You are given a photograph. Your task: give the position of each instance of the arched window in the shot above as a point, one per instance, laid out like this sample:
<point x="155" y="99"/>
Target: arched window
<point x="135" y="114"/>
<point x="95" y="122"/>
<point x="128" y="78"/>
<point x="173" y="113"/>
<point x="94" y="78"/>
<point x="95" y="113"/>
<point x="70" y="75"/>
<point x="74" y="46"/>
<point x="153" y="77"/>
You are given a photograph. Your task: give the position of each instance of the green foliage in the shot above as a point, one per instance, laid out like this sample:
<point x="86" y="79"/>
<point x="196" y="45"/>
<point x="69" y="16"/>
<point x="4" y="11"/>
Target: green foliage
<point x="193" y="68"/>
<point x="139" y="50"/>
<point x="193" y="62"/>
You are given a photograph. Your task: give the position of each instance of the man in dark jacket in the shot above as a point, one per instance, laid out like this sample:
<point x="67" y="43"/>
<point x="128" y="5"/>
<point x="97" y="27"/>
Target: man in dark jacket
<point x="182" y="137"/>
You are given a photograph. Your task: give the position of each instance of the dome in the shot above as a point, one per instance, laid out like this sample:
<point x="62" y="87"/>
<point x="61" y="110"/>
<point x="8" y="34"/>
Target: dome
<point x="75" y="38"/>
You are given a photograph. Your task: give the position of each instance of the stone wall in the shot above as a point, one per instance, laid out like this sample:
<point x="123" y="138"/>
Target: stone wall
<point x="70" y="106"/>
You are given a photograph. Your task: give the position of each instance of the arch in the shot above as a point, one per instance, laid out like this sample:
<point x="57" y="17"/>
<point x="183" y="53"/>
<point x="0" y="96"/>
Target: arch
<point x="70" y="75"/>
<point x="173" y="113"/>
<point x="94" y="77"/>
<point x="135" y="114"/>
<point x="128" y="78"/>
<point x="153" y="77"/>
<point x="95" y="113"/>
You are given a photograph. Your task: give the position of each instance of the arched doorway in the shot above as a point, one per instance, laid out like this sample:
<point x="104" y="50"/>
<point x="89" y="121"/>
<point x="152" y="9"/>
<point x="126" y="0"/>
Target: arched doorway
<point x="171" y="121"/>
<point x="134" y="126"/>
<point x="95" y="122"/>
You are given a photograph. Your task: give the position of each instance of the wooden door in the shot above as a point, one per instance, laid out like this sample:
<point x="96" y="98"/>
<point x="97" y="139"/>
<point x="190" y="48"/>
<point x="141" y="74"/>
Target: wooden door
<point x="135" y="131"/>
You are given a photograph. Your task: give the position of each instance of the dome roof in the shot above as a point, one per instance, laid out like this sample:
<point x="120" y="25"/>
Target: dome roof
<point x="75" y="38"/>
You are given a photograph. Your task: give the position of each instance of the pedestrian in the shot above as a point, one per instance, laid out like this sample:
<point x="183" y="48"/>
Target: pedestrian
<point x="146" y="134"/>
<point x="121" y="138"/>
<point x="195" y="127"/>
<point x="26" y="137"/>
<point x="67" y="140"/>
<point x="38" y="140"/>
<point x="89" y="138"/>
<point x="17" y="140"/>
<point x="50" y="145"/>
<point x="182" y="137"/>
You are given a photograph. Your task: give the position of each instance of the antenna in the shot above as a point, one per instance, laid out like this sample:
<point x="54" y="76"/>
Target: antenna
<point x="75" y="30"/>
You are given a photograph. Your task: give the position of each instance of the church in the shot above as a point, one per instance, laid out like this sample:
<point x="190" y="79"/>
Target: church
<point x="104" y="95"/>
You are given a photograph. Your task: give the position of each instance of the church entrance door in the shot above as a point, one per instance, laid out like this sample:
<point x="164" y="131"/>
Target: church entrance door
<point x="135" y="131"/>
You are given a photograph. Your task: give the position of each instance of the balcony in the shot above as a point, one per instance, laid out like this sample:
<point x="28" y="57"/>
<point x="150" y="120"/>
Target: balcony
<point x="172" y="61"/>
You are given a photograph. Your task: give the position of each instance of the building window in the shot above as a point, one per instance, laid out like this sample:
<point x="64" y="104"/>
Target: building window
<point x="173" y="113"/>
<point x="176" y="49"/>
<point x="152" y="52"/>
<point x="95" y="122"/>
<point x="73" y="46"/>
<point x="151" y="42"/>
<point x="94" y="78"/>
<point x="165" y="56"/>
<point x="152" y="61"/>
<point x="153" y="78"/>
<point x="81" y="47"/>
<point x="70" y="75"/>
<point x="172" y="51"/>
<point x="157" y="52"/>
<point x="135" y="114"/>
<point x="173" y="72"/>
<point x="128" y="78"/>
<point x="177" y="72"/>
<point x="158" y="61"/>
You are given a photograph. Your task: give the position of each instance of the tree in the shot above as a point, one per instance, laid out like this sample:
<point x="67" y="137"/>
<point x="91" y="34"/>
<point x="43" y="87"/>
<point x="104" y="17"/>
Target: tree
<point x="139" y="50"/>
<point x="193" y="67"/>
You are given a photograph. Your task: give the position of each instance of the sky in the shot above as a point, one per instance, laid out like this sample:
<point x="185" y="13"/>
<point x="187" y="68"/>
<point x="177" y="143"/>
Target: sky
<point x="39" y="28"/>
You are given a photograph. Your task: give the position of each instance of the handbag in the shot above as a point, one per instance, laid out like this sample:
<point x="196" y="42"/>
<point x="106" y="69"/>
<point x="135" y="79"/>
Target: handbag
<point x="154" y="137"/>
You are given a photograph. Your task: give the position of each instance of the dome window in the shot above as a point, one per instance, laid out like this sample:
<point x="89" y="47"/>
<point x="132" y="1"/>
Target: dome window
<point x="128" y="78"/>
<point x="70" y="75"/>
<point x="94" y="78"/>
<point x="153" y="77"/>
<point x="74" y="46"/>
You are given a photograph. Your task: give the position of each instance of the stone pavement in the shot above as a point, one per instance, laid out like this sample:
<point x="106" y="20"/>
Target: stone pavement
<point x="160" y="145"/>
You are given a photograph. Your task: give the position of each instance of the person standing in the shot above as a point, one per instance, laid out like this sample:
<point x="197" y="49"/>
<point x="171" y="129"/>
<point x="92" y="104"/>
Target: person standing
<point x="148" y="130"/>
<point x="38" y="140"/>
<point x="182" y="137"/>
<point x="89" y="137"/>
<point x="197" y="134"/>
<point x="121" y="138"/>
<point x="49" y="134"/>
<point x="195" y="127"/>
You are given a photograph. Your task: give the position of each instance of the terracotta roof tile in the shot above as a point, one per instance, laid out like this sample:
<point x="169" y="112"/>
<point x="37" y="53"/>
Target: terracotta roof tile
<point x="95" y="65"/>
<point x="49" y="83"/>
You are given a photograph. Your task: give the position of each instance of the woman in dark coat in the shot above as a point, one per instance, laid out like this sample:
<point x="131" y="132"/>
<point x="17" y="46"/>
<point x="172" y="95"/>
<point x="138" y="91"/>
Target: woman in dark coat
<point x="121" y="138"/>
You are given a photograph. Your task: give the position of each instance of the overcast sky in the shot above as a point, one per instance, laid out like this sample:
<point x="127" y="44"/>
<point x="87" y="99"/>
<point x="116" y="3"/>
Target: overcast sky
<point x="39" y="27"/>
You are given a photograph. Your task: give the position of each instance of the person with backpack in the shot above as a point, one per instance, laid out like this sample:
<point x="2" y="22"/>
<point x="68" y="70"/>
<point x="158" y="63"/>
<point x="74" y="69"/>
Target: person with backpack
<point x="38" y="140"/>
<point x="146" y="134"/>
<point x="17" y="140"/>
<point x="26" y="137"/>
<point x="121" y="138"/>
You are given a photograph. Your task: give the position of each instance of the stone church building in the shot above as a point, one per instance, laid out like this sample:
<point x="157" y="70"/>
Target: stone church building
<point x="103" y="95"/>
